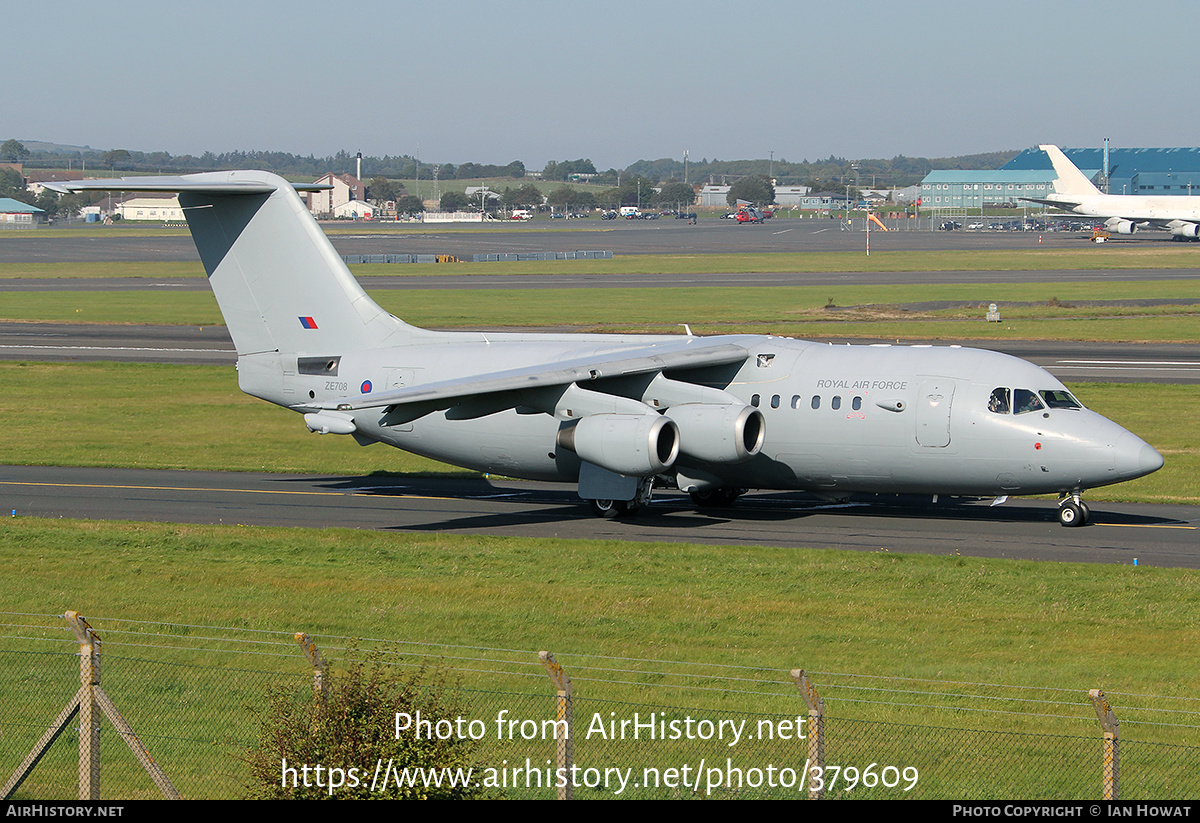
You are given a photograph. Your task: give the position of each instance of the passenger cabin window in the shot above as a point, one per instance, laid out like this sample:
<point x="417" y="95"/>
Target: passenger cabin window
<point x="1025" y="401"/>
<point x="816" y="401"/>
<point x="856" y="404"/>
<point x="998" y="402"/>
<point x="795" y="401"/>
<point x="1060" y="399"/>
<point x="775" y="401"/>
<point x="754" y="400"/>
<point x="836" y="402"/>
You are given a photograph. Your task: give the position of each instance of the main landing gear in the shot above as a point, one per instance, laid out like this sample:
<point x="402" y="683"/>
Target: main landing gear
<point x="610" y="509"/>
<point x="715" y="498"/>
<point x="1072" y="511"/>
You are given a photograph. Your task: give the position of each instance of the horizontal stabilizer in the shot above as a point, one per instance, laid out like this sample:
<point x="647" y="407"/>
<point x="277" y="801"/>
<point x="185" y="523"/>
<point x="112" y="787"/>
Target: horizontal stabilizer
<point x="213" y="183"/>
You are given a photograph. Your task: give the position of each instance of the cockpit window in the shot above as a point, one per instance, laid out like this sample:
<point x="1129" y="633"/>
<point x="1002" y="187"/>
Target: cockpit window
<point x="1025" y="401"/>
<point x="1056" y="399"/>
<point x="998" y="402"/>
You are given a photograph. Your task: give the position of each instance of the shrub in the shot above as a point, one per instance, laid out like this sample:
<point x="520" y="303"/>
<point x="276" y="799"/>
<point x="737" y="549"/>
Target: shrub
<point x="337" y="746"/>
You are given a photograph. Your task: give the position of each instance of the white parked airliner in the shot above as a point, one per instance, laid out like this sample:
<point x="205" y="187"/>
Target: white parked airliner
<point x="1122" y="213"/>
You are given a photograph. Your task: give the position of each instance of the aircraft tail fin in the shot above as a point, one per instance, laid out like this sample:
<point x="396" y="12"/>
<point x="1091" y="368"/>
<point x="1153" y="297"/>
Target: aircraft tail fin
<point x="1071" y="181"/>
<point x="280" y="284"/>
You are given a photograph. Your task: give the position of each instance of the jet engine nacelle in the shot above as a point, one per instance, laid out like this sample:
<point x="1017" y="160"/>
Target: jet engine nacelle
<point x="1121" y="226"/>
<point x="1190" y="230"/>
<point x="719" y="433"/>
<point x="631" y="444"/>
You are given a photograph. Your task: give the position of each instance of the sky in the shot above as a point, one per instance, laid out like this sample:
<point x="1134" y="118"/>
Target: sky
<point x="491" y="82"/>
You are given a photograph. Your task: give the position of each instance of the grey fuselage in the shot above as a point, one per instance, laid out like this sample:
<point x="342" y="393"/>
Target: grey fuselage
<point x="887" y="418"/>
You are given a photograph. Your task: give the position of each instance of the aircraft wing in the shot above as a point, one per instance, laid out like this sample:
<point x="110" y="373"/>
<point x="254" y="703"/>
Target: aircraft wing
<point x="688" y="354"/>
<point x="1058" y="204"/>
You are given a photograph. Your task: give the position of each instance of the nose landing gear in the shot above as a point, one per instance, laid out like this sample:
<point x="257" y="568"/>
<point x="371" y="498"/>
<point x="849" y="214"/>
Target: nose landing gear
<point x="1072" y="511"/>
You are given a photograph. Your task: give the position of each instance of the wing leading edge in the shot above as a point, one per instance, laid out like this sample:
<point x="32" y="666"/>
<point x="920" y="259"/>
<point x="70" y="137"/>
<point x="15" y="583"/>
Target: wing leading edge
<point x="649" y="359"/>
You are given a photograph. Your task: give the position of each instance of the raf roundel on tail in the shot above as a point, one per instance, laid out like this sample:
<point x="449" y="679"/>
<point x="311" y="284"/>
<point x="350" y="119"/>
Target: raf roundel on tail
<point x="714" y="416"/>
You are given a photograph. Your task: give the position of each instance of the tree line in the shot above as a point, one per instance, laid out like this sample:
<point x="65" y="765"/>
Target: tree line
<point x="831" y="173"/>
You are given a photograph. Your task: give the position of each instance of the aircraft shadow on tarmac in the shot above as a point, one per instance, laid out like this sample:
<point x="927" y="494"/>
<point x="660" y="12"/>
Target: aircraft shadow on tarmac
<point x="669" y="511"/>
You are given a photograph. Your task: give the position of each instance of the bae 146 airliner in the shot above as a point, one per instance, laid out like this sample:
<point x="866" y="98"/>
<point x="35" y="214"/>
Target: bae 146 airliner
<point x="618" y="414"/>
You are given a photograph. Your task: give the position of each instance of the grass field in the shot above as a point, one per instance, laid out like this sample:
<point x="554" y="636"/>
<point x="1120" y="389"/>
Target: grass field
<point x="1043" y="311"/>
<point x="1007" y="647"/>
<point x="1073" y="625"/>
<point x="1127" y="257"/>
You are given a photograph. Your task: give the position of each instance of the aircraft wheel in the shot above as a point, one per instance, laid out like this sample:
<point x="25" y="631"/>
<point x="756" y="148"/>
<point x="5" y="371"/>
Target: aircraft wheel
<point x="715" y="498"/>
<point x="609" y="509"/>
<point x="1071" y="513"/>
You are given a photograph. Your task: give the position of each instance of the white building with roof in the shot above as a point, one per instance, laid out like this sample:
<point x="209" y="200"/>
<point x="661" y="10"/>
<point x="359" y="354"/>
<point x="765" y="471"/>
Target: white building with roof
<point x="345" y="188"/>
<point x="151" y="208"/>
<point x="17" y="215"/>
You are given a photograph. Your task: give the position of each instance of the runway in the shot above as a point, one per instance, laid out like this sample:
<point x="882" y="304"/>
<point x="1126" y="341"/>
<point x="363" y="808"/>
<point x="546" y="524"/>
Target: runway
<point x="711" y="235"/>
<point x="1020" y="529"/>
<point x="570" y="280"/>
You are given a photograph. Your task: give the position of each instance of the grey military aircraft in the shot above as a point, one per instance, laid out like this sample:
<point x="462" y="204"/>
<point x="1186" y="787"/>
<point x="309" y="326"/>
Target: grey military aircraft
<point x="713" y="416"/>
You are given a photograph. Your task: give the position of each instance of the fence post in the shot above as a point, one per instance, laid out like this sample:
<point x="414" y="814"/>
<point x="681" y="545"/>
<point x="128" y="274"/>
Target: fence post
<point x="317" y="661"/>
<point x="563" y="722"/>
<point x="89" y="726"/>
<point x="1112" y="740"/>
<point x="816" y="729"/>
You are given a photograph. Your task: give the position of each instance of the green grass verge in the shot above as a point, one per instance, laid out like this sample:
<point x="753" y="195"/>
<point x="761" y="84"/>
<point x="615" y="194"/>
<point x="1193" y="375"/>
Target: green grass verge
<point x="160" y="416"/>
<point x="797" y="311"/>
<point x="194" y="417"/>
<point x="1044" y="629"/>
<point x="918" y="616"/>
<point x="1087" y="259"/>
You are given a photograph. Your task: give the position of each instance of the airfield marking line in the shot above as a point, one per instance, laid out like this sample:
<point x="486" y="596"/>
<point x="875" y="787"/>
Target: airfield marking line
<point x="1191" y="363"/>
<point x="1065" y="367"/>
<point x="113" y="348"/>
<point x="165" y="488"/>
<point x="351" y="492"/>
<point x="1148" y="526"/>
<point x="785" y="231"/>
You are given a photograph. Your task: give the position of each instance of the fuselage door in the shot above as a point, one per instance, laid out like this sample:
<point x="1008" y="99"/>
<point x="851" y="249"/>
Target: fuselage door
<point x="933" y="413"/>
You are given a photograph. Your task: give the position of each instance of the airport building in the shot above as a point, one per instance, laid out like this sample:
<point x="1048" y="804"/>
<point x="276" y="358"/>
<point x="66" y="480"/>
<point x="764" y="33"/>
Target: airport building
<point x="1173" y="172"/>
<point x="973" y="189"/>
<point x="151" y="207"/>
<point x="17" y="215"/>
<point x="1030" y="174"/>
<point x="346" y="188"/>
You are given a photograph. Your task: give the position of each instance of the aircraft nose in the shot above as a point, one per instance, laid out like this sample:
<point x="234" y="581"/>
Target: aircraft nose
<point x="1149" y="459"/>
<point x="1136" y="457"/>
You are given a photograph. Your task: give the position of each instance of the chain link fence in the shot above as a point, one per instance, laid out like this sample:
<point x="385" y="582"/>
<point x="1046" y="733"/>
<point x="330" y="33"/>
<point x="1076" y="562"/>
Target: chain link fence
<point x="591" y="728"/>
